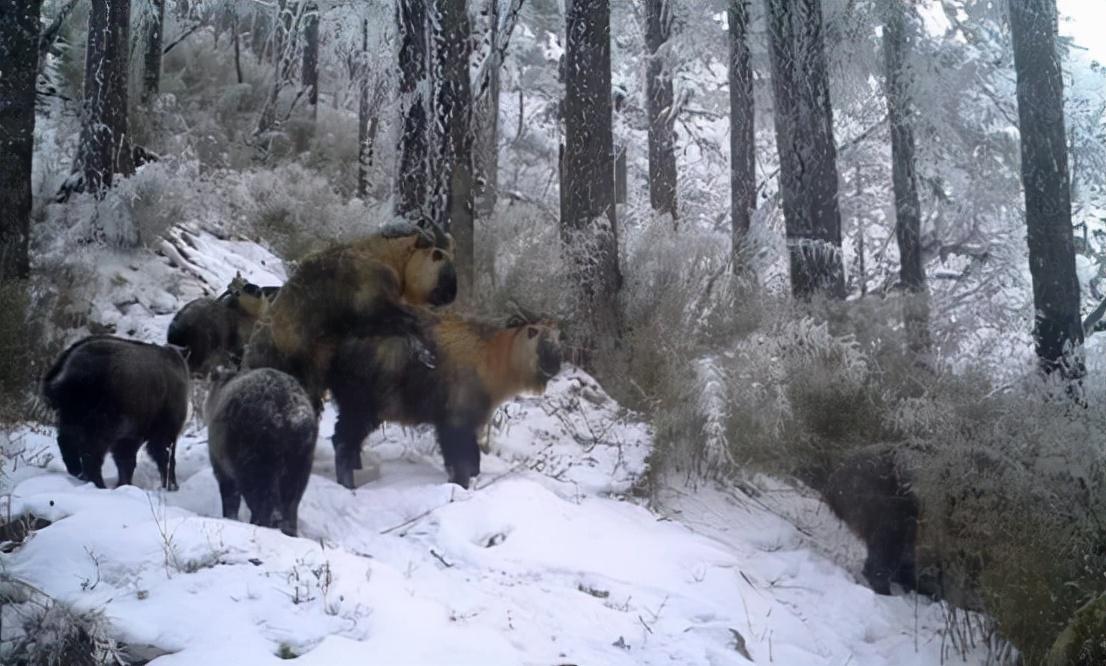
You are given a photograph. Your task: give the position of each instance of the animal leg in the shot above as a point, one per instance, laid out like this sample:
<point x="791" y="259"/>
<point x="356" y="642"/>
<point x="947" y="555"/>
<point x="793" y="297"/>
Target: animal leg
<point x="292" y="486"/>
<point x="228" y="492"/>
<point x="69" y="442"/>
<point x="163" y="453"/>
<point x="124" y="453"/>
<point x="349" y="432"/>
<point x="461" y="453"/>
<point x="90" y="468"/>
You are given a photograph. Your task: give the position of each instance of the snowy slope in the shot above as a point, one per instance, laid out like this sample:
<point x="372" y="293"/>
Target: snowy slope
<point x="545" y="562"/>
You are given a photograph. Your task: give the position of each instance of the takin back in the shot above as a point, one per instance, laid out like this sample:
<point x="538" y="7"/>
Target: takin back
<point x="480" y="365"/>
<point x="113" y="394"/>
<point x="362" y="288"/>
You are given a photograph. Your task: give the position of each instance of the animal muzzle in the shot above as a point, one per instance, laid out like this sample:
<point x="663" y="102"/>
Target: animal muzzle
<point x="549" y="358"/>
<point x="446" y="289"/>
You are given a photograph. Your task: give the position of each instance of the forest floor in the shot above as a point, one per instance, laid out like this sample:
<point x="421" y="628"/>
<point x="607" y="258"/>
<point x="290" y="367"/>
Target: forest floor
<point x="550" y="560"/>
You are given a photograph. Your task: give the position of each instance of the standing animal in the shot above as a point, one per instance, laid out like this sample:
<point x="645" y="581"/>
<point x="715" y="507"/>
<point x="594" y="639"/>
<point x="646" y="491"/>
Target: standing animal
<point x="261" y="439"/>
<point x="113" y="394"/>
<point x="214" y="331"/>
<point x="480" y="365"/>
<point x="365" y="287"/>
<point x="872" y="496"/>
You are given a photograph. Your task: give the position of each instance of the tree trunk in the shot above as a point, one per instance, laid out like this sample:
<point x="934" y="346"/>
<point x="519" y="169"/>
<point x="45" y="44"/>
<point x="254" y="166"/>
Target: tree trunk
<point x="743" y="186"/>
<point x="155" y="26"/>
<point x="660" y="102"/>
<point x="588" y="227"/>
<point x="104" y="149"/>
<point x="19" y="53"/>
<point x="454" y="110"/>
<point x="366" y="128"/>
<point x="486" y="119"/>
<point x="1058" y="330"/>
<point x="310" y="74"/>
<point x="237" y="43"/>
<point x="804" y="139"/>
<point x="414" y="141"/>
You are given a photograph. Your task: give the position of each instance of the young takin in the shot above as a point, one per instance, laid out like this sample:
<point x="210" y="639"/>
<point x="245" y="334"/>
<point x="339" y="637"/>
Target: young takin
<point x="362" y="288"/>
<point x="479" y="366"/>
<point x="113" y="394"/>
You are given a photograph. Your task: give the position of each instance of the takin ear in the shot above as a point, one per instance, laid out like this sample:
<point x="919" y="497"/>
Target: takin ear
<point x="532" y="332"/>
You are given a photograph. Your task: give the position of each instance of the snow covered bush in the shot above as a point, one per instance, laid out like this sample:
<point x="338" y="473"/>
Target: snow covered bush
<point x="39" y="631"/>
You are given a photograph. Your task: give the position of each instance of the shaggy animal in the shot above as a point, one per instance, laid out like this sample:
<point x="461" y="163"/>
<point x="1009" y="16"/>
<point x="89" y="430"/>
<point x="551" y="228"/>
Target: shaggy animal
<point x="871" y="495"/>
<point x="214" y="331"/>
<point x="261" y="438"/>
<point x="362" y="288"/>
<point x="479" y="366"/>
<point x="112" y="395"/>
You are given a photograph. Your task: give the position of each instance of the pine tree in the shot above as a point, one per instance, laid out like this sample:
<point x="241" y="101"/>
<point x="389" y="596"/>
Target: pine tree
<point x="660" y="102"/>
<point x="104" y="149"/>
<point x="743" y="196"/>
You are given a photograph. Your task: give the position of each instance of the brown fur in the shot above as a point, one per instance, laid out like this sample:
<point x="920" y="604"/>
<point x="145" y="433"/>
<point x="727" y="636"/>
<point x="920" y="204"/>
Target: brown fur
<point x="215" y="331"/>
<point x="480" y="366"/>
<point x="360" y="288"/>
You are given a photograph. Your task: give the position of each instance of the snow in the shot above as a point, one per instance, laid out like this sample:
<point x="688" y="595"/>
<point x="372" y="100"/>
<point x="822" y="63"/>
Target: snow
<point x="549" y="560"/>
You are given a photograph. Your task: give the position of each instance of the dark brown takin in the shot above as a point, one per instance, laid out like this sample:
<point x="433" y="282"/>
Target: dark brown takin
<point x="113" y="394"/>
<point x="480" y="365"/>
<point x="261" y="439"/>
<point x="364" y="287"/>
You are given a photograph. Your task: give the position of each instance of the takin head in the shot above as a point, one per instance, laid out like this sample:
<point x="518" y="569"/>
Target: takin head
<point x="429" y="276"/>
<point x="535" y="352"/>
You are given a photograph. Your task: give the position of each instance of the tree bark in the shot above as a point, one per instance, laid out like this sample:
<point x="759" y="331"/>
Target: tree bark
<point x="19" y="51"/>
<point x="155" y="37"/>
<point x="588" y="226"/>
<point x="454" y="111"/>
<point x="660" y="105"/>
<point x="804" y="139"/>
<point x="310" y="74"/>
<point x="486" y="118"/>
<point x="1057" y="330"/>
<point x="366" y="128"/>
<point x="908" y="215"/>
<point x="105" y="144"/>
<point x="414" y="142"/>
<point x="743" y="186"/>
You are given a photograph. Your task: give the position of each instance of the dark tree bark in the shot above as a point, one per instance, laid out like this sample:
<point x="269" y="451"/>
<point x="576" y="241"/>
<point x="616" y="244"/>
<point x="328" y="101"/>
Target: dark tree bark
<point x="486" y="119"/>
<point x="908" y="214"/>
<point x="454" y="112"/>
<point x="414" y="141"/>
<point x="1058" y="330"/>
<point x="19" y="32"/>
<point x="743" y="185"/>
<point x="310" y="74"/>
<point x="366" y="126"/>
<point x="660" y="103"/>
<point x="105" y="144"/>
<point x="155" y="37"/>
<point x="588" y="226"/>
<point x="808" y="155"/>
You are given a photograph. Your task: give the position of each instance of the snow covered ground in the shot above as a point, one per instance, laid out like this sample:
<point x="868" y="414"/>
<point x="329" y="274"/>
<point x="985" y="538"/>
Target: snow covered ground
<point x="548" y="561"/>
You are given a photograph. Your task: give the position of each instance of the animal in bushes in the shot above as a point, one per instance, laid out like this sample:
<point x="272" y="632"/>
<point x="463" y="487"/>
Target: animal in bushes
<point x="261" y="439"/>
<point x="363" y="288"/>
<point x="872" y="496"/>
<point x="480" y="365"/>
<point x="113" y="394"/>
<point x="214" y="331"/>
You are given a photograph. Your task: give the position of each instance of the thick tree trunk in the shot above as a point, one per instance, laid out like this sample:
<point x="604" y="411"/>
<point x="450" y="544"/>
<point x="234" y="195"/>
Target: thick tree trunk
<point x="412" y="188"/>
<point x="104" y="148"/>
<point x="310" y="74"/>
<point x="454" y="110"/>
<point x="486" y="119"/>
<point x="908" y="214"/>
<point x="660" y="102"/>
<point x="808" y="155"/>
<point x="1058" y="330"/>
<point x="588" y="226"/>
<point x="19" y="52"/>
<point x="743" y="186"/>
<point x="155" y="37"/>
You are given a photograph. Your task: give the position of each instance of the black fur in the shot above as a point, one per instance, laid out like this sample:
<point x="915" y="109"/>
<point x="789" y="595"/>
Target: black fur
<point x="261" y="438"/>
<point x="209" y="330"/>
<point x="872" y="496"/>
<point x="113" y="394"/>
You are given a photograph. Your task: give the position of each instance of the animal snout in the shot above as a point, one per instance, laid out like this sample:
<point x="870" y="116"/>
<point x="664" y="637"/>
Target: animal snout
<point x="549" y="358"/>
<point x="446" y="290"/>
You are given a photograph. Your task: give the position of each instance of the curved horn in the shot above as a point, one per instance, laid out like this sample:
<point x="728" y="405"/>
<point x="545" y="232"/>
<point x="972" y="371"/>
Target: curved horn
<point x="520" y="316"/>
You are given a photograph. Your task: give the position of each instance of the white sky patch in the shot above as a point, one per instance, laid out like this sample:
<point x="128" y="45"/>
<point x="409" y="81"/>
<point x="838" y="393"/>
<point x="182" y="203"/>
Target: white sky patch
<point x="1082" y="20"/>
